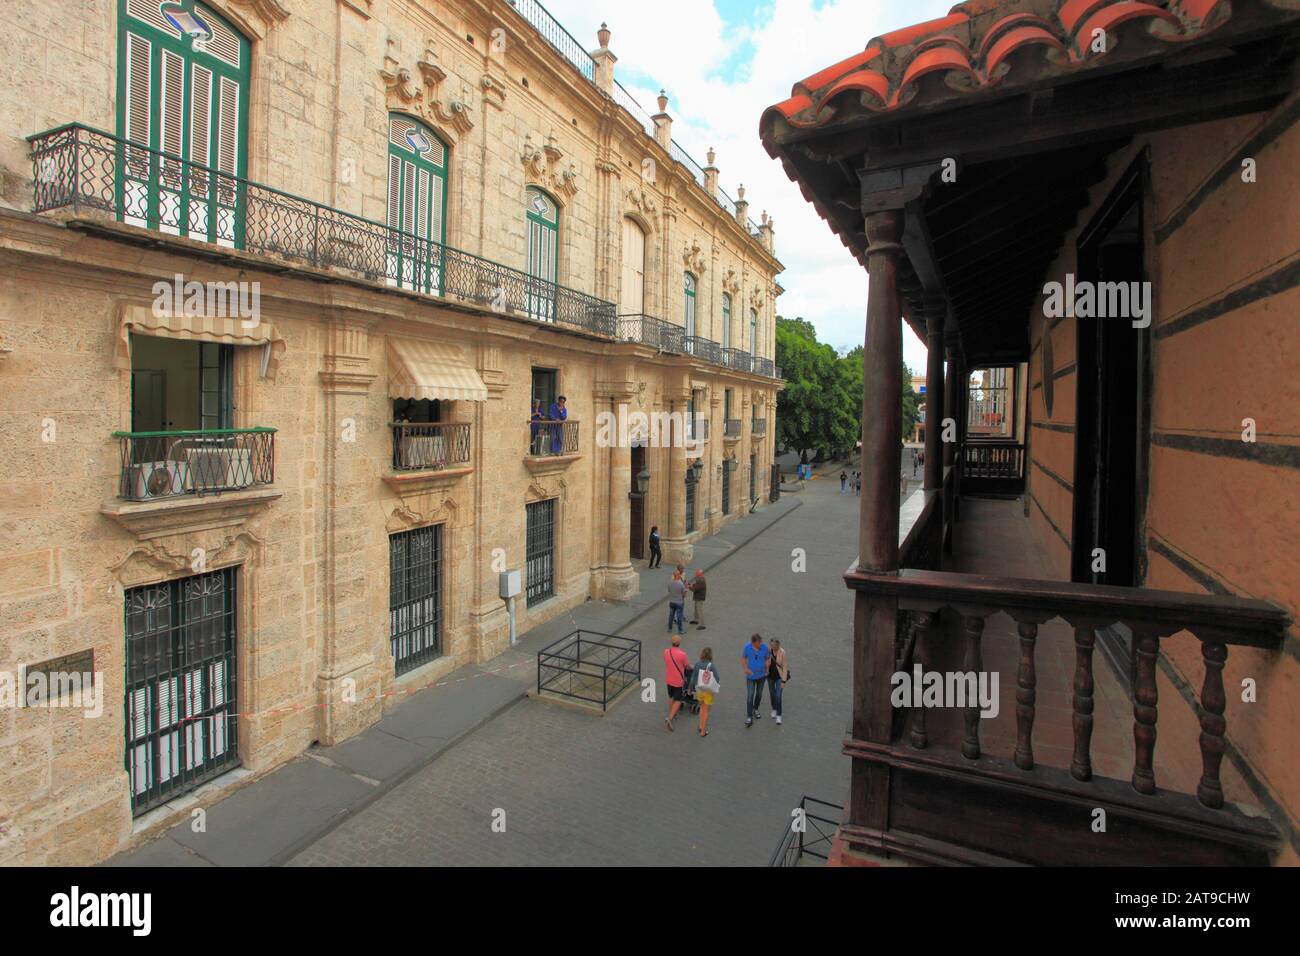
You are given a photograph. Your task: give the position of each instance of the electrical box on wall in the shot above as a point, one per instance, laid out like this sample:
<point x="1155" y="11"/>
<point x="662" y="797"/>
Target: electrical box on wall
<point x="510" y="584"/>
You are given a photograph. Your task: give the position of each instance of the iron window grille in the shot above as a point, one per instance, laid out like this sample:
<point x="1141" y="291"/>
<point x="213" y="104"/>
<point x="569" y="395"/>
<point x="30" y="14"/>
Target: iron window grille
<point x="180" y="686"/>
<point x="540" y="551"/>
<point x="415" y="597"/>
<point x="690" y="504"/>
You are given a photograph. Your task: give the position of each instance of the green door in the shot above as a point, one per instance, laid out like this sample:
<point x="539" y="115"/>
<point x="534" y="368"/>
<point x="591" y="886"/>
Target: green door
<point x="543" y="220"/>
<point x="417" y="205"/>
<point x="182" y="90"/>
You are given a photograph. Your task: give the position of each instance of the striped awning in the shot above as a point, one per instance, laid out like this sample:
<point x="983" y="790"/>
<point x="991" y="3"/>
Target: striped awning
<point x="432" y="370"/>
<point x="146" y="320"/>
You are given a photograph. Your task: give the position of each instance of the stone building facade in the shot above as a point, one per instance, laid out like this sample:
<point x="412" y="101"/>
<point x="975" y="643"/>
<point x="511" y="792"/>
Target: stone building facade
<point x="257" y="511"/>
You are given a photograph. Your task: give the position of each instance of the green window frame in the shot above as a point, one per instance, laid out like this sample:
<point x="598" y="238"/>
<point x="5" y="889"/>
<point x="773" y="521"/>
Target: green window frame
<point x="182" y="90"/>
<point x="688" y="305"/>
<point x="726" y="320"/>
<point x="753" y="331"/>
<point x="417" y="204"/>
<point x="542" y="219"/>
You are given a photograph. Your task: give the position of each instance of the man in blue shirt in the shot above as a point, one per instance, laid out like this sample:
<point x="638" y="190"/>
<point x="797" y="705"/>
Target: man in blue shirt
<point x="755" y="661"/>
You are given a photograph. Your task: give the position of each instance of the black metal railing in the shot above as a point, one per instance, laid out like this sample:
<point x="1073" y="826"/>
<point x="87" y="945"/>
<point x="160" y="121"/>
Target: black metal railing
<point x="706" y="350"/>
<point x="652" y="331"/>
<point x="731" y="427"/>
<point x="764" y="366"/>
<point x="776" y="373"/>
<point x="203" y="461"/>
<point x="76" y="167"/>
<point x="758" y="427"/>
<point x="552" y="438"/>
<point x="430" y="445"/>
<point x="554" y="33"/>
<point x="809" y="832"/>
<point x="589" y="666"/>
<point x="737" y="359"/>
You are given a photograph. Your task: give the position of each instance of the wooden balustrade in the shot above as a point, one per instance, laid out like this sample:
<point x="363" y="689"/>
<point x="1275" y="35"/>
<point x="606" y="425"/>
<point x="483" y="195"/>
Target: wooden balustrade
<point x="1150" y="615"/>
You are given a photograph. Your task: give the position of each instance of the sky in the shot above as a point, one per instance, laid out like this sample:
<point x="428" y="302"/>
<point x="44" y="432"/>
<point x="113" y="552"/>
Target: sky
<point x="722" y="63"/>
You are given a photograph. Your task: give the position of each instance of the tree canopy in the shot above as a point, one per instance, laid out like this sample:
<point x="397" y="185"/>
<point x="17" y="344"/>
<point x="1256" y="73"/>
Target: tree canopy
<point x="820" y="408"/>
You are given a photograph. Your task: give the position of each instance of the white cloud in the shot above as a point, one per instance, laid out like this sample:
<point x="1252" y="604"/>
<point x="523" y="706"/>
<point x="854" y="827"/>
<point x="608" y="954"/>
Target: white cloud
<point x="681" y="45"/>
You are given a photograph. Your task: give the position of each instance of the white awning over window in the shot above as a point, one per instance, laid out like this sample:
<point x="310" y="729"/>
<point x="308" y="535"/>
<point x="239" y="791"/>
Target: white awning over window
<point x="145" y="320"/>
<point x="432" y="370"/>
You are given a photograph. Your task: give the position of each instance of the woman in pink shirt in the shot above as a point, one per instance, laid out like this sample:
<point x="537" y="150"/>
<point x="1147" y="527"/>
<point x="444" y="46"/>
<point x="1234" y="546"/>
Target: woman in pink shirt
<point x="677" y="670"/>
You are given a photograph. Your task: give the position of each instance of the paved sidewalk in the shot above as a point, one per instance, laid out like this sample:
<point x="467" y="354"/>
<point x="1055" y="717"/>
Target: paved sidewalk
<point x="273" y="819"/>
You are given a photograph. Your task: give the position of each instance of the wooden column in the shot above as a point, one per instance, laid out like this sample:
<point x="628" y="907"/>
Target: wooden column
<point x="934" y="403"/>
<point x="874" y="618"/>
<point x="951" y="387"/>
<point x="881" y="387"/>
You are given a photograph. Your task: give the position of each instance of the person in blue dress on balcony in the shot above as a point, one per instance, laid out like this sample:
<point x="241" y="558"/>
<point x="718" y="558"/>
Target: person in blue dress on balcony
<point x="558" y="414"/>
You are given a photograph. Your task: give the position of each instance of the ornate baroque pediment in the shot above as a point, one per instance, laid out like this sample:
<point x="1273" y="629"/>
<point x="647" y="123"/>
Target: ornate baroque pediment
<point x="642" y="200"/>
<point x="150" y="561"/>
<point x="425" y="509"/>
<point x="693" y="256"/>
<point x="545" y="166"/>
<point x="418" y="91"/>
<point x="547" y="486"/>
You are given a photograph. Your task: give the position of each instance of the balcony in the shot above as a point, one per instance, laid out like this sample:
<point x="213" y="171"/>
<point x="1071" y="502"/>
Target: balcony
<point x="430" y="446"/>
<point x="731" y="428"/>
<point x="552" y="439"/>
<point x="201" y="462"/>
<point x="79" y="168"/>
<point x="764" y="366"/>
<point x="651" y="331"/>
<point x="706" y="350"/>
<point x="758" y="427"/>
<point x="992" y="467"/>
<point x="737" y="359"/>
<point x="966" y="788"/>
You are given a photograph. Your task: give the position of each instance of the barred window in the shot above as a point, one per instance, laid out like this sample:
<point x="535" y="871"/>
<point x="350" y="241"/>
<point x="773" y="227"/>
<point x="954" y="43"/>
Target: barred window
<point x="540" y="551"/>
<point x="415" y="597"/>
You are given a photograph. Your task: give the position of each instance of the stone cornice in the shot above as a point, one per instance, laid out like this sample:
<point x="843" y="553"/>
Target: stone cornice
<point x="411" y="483"/>
<point x="188" y="514"/>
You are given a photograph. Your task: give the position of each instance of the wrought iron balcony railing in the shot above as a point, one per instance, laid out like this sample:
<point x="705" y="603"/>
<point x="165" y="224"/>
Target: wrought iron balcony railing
<point x="758" y="427"/>
<point x="203" y="461"/>
<point x="764" y="366"/>
<point x="738" y="359"/>
<point x="547" y="438"/>
<point x="78" y="167"/>
<point x="430" y="445"/>
<point x="731" y="428"/>
<point x="652" y="331"/>
<point x="704" y="349"/>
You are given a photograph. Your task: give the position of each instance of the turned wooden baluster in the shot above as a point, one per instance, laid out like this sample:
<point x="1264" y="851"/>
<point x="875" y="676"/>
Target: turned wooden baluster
<point x="1210" y="791"/>
<point x="1147" y="646"/>
<point x="1026" y="682"/>
<point x="922" y="621"/>
<point x="1084" y="641"/>
<point x="973" y="663"/>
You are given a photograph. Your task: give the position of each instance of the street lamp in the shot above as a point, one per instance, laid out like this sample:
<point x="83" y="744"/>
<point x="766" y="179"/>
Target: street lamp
<point x="695" y="469"/>
<point x="642" y="484"/>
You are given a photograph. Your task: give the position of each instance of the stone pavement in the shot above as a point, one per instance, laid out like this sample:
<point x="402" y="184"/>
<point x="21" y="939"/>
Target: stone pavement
<point x="474" y="728"/>
<point x="581" y="789"/>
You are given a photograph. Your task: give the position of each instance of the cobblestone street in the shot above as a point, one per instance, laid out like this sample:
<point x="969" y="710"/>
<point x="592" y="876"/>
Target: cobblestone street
<point x="581" y="789"/>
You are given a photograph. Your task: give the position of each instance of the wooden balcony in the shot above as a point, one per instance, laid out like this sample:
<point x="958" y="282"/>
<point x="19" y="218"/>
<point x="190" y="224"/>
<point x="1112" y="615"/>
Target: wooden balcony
<point x="1069" y="739"/>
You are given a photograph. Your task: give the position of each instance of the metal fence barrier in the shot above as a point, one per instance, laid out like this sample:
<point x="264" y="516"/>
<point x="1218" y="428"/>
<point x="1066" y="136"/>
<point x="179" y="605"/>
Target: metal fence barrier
<point x="589" y="666"/>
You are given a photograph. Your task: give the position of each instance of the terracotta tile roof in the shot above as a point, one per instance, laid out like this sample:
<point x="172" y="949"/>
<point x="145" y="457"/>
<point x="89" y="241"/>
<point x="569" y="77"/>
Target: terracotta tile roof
<point x="985" y="43"/>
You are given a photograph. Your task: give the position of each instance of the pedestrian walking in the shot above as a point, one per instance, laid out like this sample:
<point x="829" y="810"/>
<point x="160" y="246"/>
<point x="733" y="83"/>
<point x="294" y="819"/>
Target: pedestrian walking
<point x="778" y="672"/>
<point x="704" y="685"/>
<point x="844" y="481"/>
<point x="699" y="590"/>
<point x="656" y="554"/>
<point x="857" y="484"/>
<point x="754" y="662"/>
<point x="677" y="671"/>
<point x="677" y="602"/>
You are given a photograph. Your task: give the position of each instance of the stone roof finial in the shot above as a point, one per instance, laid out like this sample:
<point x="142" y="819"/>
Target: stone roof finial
<point x="602" y="35"/>
<point x="663" y="102"/>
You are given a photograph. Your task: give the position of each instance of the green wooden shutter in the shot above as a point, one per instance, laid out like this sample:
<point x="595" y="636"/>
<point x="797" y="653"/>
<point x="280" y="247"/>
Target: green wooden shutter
<point x="689" y="309"/>
<point x="543" y="221"/>
<point x="183" y="90"/>
<point x="417" y="204"/>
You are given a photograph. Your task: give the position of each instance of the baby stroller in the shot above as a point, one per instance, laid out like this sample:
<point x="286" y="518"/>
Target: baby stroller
<point x="689" y="701"/>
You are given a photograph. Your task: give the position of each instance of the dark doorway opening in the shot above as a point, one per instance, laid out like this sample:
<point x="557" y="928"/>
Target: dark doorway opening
<point x="637" y="502"/>
<point x="1112" y="412"/>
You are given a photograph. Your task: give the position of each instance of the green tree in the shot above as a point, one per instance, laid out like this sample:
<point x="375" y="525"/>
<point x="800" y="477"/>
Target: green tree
<point x="820" y="408"/>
